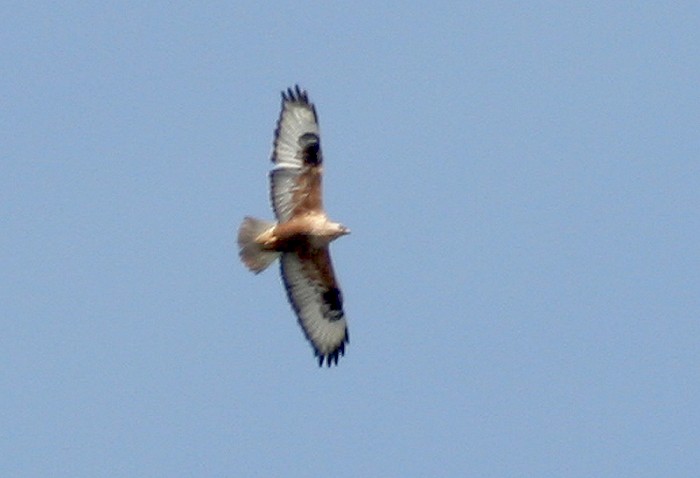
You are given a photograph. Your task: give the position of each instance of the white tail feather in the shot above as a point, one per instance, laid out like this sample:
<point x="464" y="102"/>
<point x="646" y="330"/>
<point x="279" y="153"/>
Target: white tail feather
<point x="252" y="254"/>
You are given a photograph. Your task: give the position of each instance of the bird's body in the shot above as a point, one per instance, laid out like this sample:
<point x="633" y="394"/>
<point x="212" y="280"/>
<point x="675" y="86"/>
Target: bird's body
<point x="315" y="229"/>
<point x="303" y="232"/>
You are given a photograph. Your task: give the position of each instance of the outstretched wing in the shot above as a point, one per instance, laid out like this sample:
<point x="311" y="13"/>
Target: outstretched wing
<point x="315" y="297"/>
<point x="295" y="180"/>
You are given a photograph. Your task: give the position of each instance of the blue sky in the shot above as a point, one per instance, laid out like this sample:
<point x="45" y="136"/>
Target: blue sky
<point x="522" y="281"/>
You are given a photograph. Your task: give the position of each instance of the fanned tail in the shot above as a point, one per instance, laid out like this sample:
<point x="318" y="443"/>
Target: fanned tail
<point x="251" y="253"/>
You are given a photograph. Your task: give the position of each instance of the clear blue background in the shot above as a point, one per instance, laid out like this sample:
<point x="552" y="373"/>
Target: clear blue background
<point x="522" y="283"/>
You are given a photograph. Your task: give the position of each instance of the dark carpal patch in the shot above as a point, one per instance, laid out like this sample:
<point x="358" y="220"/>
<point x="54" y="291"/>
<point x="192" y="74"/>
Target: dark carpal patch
<point x="333" y="299"/>
<point x="311" y="149"/>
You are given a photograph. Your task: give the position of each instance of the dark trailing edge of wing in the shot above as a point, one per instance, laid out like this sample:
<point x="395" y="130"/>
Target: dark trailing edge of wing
<point x="330" y="358"/>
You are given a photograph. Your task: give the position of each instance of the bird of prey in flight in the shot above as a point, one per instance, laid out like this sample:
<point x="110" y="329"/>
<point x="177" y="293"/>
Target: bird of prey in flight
<point x="303" y="232"/>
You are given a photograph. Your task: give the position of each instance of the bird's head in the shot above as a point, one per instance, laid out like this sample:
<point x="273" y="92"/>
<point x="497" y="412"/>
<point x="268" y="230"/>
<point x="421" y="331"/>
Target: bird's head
<point x="339" y="230"/>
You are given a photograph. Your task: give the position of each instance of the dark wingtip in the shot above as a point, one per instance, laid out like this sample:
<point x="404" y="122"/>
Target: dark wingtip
<point x="333" y="357"/>
<point x="295" y="94"/>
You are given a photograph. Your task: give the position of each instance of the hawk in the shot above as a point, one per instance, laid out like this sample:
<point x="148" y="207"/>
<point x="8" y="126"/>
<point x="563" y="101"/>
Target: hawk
<point x="301" y="236"/>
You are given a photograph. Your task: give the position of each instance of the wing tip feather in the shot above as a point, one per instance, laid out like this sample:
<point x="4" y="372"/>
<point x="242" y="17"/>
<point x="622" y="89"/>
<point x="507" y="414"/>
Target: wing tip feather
<point x="295" y="94"/>
<point x="331" y="358"/>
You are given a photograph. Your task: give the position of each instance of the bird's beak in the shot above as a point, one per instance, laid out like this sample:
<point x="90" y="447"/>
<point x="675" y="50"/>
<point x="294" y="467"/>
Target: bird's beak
<point x="346" y="230"/>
